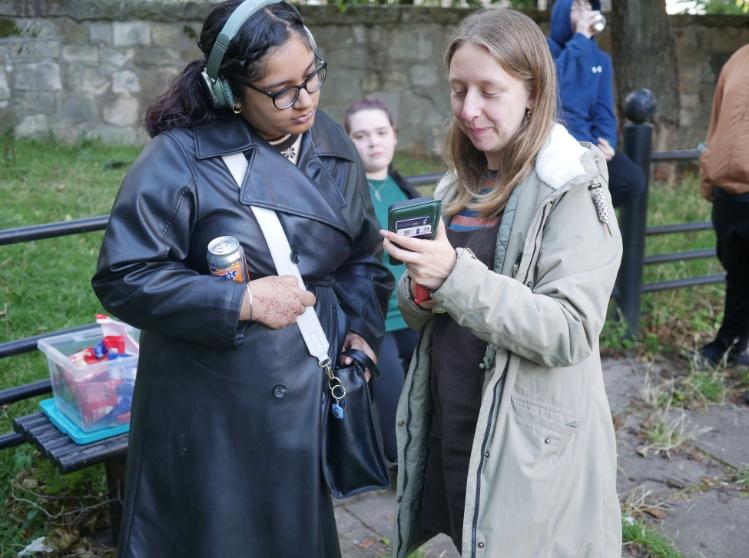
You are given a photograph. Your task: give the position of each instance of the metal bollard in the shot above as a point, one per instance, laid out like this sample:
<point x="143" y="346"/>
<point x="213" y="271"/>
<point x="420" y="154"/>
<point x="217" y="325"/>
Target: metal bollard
<point x="639" y="107"/>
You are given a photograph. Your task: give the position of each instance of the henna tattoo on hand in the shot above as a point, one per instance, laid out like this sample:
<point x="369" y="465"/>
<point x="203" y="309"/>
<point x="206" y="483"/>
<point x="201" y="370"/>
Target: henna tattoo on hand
<point x="277" y="303"/>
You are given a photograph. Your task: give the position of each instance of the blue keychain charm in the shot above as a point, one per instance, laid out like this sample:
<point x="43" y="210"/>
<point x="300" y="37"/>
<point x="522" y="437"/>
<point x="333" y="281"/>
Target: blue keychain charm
<point x="337" y="392"/>
<point x="337" y="410"/>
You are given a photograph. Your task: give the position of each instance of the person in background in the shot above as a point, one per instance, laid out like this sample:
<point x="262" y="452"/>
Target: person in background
<point x="505" y="436"/>
<point x="369" y="124"/>
<point x="586" y="92"/>
<point x="225" y="455"/>
<point x="724" y="180"/>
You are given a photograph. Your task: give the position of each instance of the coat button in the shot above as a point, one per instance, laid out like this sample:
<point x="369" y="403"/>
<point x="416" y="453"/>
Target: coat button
<point x="481" y="544"/>
<point x="529" y="284"/>
<point x="401" y="422"/>
<point x="279" y="391"/>
<point x="547" y="441"/>
<point x="486" y="455"/>
<point x="294" y="257"/>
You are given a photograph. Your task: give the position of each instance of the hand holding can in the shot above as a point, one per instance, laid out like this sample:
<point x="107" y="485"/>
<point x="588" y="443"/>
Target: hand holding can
<point x="226" y="259"/>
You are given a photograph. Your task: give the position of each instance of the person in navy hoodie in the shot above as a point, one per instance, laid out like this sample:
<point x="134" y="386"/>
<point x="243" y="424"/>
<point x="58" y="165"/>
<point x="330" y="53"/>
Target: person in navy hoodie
<point x="585" y="92"/>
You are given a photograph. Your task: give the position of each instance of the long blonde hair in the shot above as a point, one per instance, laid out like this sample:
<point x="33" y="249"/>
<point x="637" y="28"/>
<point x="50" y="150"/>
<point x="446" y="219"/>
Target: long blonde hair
<point x="519" y="47"/>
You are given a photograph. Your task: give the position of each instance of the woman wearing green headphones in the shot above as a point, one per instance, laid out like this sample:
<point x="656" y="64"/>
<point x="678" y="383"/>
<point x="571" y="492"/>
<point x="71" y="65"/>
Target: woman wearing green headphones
<point x="224" y="454"/>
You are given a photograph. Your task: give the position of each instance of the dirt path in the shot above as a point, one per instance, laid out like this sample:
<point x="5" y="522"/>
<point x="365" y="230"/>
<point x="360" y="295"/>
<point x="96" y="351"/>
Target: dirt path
<point x="692" y="494"/>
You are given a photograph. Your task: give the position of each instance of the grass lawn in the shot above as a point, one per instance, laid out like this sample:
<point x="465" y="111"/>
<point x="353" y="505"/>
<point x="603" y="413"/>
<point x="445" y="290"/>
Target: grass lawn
<point x="674" y="322"/>
<point x="44" y="286"/>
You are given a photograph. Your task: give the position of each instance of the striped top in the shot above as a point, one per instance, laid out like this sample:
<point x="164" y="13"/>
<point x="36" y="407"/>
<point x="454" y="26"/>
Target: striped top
<point x="470" y="220"/>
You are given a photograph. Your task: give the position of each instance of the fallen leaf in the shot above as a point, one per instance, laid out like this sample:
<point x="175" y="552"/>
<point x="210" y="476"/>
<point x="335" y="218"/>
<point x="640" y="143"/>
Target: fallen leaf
<point x="656" y="513"/>
<point x="366" y="542"/>
<point x="618" y="422"/>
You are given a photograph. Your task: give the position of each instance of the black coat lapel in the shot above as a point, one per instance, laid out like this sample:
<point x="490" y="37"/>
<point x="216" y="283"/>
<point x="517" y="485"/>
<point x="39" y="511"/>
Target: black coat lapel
<point x="306" y="189"/>
<point x="275" y="183"/>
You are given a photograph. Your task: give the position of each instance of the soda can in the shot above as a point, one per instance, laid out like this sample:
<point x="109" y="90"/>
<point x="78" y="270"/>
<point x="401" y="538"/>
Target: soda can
<point x="226" y="259"/>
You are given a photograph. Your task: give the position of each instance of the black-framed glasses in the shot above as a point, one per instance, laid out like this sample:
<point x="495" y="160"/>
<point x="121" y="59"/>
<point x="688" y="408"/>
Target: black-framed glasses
<point x="287" y="96"/>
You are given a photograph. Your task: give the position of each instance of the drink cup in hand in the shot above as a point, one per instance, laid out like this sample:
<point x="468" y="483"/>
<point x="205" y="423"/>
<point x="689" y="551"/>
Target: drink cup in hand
<point x="599" y="23"/>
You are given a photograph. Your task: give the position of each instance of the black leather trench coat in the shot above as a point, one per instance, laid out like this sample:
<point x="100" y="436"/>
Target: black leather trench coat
<point x="224" y="454"/>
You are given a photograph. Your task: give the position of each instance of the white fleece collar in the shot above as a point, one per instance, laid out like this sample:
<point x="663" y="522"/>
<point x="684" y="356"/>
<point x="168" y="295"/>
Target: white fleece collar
<point x="559" y="160"/>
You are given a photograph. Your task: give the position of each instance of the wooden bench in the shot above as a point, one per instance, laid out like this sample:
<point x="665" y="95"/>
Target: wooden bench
<point x="66" y="455"/>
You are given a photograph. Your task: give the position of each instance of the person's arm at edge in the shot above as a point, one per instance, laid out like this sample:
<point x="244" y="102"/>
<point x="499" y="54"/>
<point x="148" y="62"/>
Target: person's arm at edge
<point x="705" y="187"/>
<point x="604" y="119"/>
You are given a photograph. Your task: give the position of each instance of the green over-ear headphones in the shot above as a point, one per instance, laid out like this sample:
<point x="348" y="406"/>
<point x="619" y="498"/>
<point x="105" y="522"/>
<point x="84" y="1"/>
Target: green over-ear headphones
<point x="219" y="89"/>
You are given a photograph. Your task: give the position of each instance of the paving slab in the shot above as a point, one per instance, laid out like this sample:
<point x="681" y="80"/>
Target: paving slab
<point x="702" y="521"/>
<point x="727" y="434"/>
<point x="357" y="540"/>
<point x="712" y="524"/>
<point x="662" y="475"/>
<point x="623" y="383"/>
<point x="374" y="509"/>
<point x="365" y="524"/>
<point x="365" y="527"/>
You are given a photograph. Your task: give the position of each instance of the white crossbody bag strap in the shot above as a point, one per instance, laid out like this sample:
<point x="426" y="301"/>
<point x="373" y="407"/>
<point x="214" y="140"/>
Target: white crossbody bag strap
<point x="309" y="324"/>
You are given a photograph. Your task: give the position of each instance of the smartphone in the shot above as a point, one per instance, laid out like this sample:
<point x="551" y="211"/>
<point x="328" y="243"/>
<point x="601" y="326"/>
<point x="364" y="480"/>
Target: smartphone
<point x="416" y="218"/>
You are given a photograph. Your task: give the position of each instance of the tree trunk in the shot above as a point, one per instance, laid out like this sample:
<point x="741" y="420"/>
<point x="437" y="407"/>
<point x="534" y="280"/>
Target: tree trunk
<point x="644" y="55"/>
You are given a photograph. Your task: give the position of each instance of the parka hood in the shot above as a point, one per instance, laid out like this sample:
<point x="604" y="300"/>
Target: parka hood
<point x="561" y="29"/>
<point x="560" y="160"/>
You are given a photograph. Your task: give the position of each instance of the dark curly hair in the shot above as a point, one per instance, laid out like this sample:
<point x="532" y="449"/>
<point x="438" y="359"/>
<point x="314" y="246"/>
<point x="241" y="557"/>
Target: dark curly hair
<point x="186" y="102"/>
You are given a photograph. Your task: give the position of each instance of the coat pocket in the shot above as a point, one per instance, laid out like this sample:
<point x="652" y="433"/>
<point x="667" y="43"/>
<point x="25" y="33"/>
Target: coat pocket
<point x="543" y="433"/>
<point x="561" y="422"/>
<point x="532" y="463"/>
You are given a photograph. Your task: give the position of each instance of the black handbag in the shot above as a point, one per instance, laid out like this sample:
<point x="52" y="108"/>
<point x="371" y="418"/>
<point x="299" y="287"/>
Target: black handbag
<point x="352" y="454"/>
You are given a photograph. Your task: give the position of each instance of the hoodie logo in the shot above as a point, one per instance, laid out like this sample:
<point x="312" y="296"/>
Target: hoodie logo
<point x="597" y="69"/>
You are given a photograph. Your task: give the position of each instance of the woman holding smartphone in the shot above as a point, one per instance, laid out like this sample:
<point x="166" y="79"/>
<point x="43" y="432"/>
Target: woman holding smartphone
<point x="504" y="429"/>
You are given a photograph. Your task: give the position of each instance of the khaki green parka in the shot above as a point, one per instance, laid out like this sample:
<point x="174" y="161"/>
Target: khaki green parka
<point x="542" y="474"/>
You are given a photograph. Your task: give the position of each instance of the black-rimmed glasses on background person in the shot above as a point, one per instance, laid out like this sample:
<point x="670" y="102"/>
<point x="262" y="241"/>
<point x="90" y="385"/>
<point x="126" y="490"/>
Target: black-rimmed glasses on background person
<point x="287" y="96"/>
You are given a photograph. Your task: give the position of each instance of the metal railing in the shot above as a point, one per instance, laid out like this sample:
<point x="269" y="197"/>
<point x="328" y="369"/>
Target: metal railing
<point x="28" y="344"/>
<point x="638" y="135"/>
<point x="630" y="286"/>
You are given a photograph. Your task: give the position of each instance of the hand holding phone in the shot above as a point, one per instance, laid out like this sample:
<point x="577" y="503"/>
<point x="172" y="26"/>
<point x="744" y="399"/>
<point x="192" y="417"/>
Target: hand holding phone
<point x="429" y="262"/>
<point x="415" y="218"/>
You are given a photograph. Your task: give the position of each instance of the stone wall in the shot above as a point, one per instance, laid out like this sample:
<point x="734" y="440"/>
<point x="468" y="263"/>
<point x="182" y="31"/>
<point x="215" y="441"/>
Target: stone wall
<point x="77" y="69"/>
<point x="703" y="44"/>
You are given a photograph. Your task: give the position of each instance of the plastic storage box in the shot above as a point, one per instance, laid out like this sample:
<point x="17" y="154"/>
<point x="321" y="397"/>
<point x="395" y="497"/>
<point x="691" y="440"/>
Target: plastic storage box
<point x="93" y="396"/>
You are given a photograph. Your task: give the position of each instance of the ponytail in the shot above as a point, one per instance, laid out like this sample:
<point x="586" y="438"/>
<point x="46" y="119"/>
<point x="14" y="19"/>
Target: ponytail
<point x="185" y="103"/>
